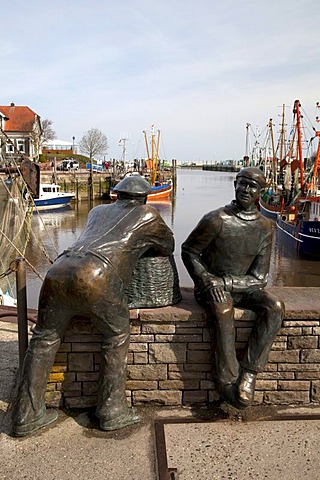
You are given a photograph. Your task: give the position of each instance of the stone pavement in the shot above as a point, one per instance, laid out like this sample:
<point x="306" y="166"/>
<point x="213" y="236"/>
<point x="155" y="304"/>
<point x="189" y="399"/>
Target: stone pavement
<point x="258" y="443"/>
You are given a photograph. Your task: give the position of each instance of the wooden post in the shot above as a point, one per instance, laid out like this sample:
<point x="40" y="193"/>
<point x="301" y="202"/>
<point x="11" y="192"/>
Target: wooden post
<point x="22" y="309"/>
<point x="54" y="176"/>
<point x="174" y="175"/>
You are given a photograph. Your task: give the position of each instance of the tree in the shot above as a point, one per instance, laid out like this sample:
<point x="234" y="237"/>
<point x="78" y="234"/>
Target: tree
<point x="47" y="131"/>
<point x="94" y="143"/>
<point x="41" y="133"/>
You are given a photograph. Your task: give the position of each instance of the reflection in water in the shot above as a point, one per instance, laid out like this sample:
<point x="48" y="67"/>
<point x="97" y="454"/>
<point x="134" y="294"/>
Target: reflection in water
<point x="288" y="268"/>
<point x="166" y="210"/>
<point x="197" y="193"/>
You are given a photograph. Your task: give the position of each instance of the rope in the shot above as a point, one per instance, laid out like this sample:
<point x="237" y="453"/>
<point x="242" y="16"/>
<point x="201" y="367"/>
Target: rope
<point x="32" y="205"/>
<point x="8" y="271"/>
<point x="21" y="254"/>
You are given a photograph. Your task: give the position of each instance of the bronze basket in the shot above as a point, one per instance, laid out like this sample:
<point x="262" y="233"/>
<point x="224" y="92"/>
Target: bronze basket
<point x="155" y="283"/>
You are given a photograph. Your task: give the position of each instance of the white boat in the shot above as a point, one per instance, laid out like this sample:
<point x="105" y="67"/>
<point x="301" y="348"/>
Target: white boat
<point x="7" y="300"/>
<point x="51" y="197"/>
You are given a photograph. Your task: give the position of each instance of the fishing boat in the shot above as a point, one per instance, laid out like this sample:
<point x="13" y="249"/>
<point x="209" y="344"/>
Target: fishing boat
<point x="285" y="167"/>
<point x="51" y="197"/>
<point x="299" y="222"/>
<point x="260" y="152"/>
<point x="302" y="230"/>
<point x="277" y="168"/>
<point x="161" y="188"/>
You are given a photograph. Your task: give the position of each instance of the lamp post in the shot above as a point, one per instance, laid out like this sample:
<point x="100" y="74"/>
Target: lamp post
<point x="73" y="139"/>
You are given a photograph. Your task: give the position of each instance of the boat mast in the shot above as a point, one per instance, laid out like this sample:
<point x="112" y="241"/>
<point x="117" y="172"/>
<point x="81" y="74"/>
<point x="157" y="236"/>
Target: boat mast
<point x="147" y="144"/>
<point x="274" y="158"/>
<point x="256" y="151"/>
<point x="296" y="110"/>
<point x="315" y="179"/>
<point x="283" y="136"/>
<point x="122" y="143"/>
<point x="246" y="155"/>
<point x="154" y="158"/>
<point x="153" y="176"/>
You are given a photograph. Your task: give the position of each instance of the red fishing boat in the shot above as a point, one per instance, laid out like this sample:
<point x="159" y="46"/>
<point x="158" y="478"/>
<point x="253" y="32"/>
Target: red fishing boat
<point x="161" y="188"/>
<point x="299" y="223"/>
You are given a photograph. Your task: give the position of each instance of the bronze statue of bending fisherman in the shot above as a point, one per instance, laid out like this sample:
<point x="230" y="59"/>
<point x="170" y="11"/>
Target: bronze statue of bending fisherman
<point x="90" y="279"/>
<point x="228" y="255"/>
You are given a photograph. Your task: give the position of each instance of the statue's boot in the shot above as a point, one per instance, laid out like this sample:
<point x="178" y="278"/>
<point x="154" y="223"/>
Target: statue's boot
<point x="112" y="407"/>
<point x="29" y="412"/>
<point x="227" y="392"/>
<point x="246" y="388"/>
<point x="48" y="417"/>
<point x="128" y="418"/>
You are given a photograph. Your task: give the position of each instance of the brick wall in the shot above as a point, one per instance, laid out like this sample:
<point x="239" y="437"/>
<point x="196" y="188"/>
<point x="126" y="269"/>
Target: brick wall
<point x="169" y="361"/>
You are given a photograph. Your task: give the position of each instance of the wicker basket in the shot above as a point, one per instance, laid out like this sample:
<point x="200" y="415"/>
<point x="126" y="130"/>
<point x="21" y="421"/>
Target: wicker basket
<point x="155" y="283"/>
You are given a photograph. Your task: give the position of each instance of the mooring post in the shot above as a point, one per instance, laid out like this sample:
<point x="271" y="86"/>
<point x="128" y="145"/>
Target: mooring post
<point x="174" y="175"/>
<point x="22" y="308"/>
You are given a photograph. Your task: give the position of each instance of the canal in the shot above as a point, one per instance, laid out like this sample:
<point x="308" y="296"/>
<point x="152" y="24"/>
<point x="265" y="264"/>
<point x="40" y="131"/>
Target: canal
<point x="197" y="193"/>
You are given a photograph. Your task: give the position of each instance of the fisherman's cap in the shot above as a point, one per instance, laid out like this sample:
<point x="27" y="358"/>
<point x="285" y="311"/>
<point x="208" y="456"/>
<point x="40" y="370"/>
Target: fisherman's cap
<point x="133" y="186"/>
<point x="253" y="173"/>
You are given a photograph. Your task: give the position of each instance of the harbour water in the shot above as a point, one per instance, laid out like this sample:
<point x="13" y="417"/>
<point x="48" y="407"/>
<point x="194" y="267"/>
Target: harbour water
<point x="197" y="193"/>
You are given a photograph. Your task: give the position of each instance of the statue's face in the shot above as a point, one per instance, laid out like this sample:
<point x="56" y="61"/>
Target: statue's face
<point x="247" y="192"/>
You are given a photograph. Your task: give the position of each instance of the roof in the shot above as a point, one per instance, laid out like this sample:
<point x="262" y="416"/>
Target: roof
<point x="21" y="119"/>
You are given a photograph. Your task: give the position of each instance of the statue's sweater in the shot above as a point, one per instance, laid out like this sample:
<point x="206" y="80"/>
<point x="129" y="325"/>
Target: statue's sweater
<point x="120" y="233"/>
<point x="231" y="244"/>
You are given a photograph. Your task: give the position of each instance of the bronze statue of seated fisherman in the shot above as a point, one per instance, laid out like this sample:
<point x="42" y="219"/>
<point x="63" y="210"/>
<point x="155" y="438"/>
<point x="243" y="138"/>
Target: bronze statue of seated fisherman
<point x="90" y="279"/>
<point x="228" y="256"/>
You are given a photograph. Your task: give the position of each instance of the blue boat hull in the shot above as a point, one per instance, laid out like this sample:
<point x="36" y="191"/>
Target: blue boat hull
<point x="56" y="202"/>
<point x="304" y="236"/>
<point x="268" y="211"/>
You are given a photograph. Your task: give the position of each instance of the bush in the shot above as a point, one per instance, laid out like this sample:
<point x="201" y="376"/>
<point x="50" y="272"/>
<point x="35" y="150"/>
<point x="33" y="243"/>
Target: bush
<point x="42" y="158"/>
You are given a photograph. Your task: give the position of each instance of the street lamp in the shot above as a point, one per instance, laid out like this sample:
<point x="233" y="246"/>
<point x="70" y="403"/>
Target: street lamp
<point x="73" y="139"/>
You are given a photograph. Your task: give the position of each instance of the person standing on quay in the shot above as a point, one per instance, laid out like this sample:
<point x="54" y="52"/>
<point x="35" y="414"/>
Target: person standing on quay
<point x="228" y="256"/>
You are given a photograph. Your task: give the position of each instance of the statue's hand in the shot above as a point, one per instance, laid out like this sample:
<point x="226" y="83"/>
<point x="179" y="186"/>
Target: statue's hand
<point x="214" y="288"/>
<point x="218" y="295"/>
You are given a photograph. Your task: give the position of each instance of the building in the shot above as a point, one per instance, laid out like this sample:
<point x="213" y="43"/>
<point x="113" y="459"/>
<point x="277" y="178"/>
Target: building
<point x="20" y="131"/>
<point x="59" y="146"/>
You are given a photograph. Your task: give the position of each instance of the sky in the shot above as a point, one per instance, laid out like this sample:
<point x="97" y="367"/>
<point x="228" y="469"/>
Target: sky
<point x="198" y="70"/>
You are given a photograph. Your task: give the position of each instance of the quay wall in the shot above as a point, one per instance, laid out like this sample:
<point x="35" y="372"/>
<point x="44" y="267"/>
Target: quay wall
<point x="169" y="361"/>
<point x="78" y="182"/>
<point x="222" y="168"/>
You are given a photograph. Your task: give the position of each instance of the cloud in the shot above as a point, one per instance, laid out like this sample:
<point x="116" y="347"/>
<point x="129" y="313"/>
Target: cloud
<point x="198" y="70"/>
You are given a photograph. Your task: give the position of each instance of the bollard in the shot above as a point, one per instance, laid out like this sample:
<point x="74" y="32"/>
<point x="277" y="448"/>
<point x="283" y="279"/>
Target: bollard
<point x="22" y="308"/>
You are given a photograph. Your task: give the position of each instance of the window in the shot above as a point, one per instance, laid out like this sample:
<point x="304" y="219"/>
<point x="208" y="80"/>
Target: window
<point x="20" y="145"/>
<point x="9" y="148"/>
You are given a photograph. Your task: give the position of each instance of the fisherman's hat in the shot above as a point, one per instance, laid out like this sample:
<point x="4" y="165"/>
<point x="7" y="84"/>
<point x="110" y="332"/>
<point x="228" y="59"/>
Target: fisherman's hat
<point x="253" y="173"/>
<point x="133" y="186"/>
